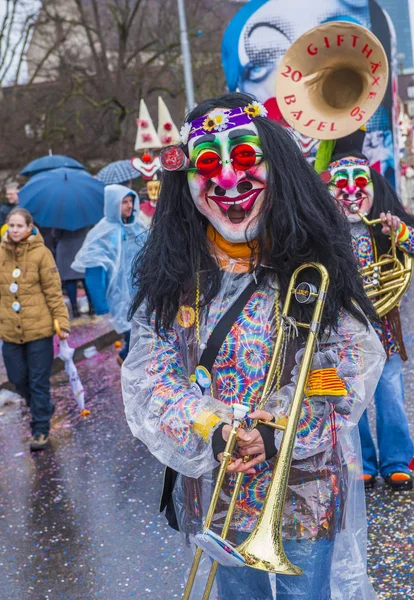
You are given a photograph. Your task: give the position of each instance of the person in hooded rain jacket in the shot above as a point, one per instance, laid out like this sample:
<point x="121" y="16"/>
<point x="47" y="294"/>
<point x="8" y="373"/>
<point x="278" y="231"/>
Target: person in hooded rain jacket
<point x="30" y="302"/>
<point x="107" y="255"/>
<point x="244" y="210"/>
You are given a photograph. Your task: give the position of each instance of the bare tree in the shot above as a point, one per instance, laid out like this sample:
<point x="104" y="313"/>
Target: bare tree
<point x="16" y="26"/>
<point x="95" y="60"/>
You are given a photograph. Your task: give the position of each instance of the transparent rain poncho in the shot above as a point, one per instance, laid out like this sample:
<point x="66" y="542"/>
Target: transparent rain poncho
<point x="112" y="245"/>
<point x="325" y="498"/>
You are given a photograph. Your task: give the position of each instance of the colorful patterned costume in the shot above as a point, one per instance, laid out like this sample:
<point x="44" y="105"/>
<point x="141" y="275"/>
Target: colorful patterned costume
<point x="176" y="422"/>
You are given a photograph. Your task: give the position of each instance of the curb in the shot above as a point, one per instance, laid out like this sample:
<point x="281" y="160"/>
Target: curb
<point x="101" y="342"/>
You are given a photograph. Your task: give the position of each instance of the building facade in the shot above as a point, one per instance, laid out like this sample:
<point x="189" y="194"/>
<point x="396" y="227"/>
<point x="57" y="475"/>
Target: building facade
<point x="399" y="12"/>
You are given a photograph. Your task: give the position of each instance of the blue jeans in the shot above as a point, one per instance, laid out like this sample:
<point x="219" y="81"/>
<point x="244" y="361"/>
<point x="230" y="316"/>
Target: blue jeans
<point x="314" y="558"/>
<point x="29" y="367"/>
<point x="395" y="445"/>
<point x="124" y="352"/>
<point x="71" y="287"/>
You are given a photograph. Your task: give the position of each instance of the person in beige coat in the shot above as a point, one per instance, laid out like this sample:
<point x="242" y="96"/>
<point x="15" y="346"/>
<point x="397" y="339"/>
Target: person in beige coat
<point x="30" y="301"/>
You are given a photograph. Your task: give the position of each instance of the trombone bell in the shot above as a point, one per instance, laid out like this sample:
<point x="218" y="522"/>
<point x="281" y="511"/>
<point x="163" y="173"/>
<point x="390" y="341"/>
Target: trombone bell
<point x="264" y="551"/>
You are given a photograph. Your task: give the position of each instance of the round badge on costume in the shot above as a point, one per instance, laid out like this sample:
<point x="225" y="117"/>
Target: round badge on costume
<point x="16" y="306"/>
<point x="13" y="287"/>
<point x="186" y="316"/>
<point x="16" y="273"/>
<point x="203" y="377"/>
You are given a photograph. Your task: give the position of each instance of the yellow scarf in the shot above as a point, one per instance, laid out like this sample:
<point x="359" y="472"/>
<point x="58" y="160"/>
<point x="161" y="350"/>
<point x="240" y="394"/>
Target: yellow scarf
<point x="227" y="252"/>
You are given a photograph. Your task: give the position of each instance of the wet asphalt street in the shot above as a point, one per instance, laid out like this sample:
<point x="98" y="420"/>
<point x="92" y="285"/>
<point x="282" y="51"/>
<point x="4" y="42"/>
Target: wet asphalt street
<point x="80" y="521"/>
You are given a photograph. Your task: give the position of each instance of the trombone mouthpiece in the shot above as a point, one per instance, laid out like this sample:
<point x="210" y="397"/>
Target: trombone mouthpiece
<point x="240" y="411"/>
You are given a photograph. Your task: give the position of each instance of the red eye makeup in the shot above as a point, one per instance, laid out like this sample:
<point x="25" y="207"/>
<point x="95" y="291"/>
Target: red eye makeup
<point x="341" y="183"/>
<point x="208" y="164"/>
<point x="244" y="157"/>
<point x="361" y="181"/>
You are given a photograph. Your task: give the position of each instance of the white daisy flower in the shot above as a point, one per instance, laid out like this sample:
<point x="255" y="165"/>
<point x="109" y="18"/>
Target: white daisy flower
<point x="217" y="120"/>
<point x="185" y="132"/>
<point x="255" y="109"/>
<point x="262" y="111"/>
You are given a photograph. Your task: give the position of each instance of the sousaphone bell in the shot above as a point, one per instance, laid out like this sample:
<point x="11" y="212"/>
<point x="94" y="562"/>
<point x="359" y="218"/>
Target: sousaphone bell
<point x="331" y="80"/>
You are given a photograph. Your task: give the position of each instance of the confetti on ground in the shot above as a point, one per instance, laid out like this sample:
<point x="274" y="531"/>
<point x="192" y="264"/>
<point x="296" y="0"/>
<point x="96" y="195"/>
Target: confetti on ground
<point x="80" y="521"/>
<point x="391" y="514"/>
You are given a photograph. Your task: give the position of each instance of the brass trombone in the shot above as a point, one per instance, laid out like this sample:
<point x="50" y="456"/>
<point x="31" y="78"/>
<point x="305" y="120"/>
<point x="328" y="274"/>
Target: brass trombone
<point x="263" y="549"/>
<point x="387" y="279"/>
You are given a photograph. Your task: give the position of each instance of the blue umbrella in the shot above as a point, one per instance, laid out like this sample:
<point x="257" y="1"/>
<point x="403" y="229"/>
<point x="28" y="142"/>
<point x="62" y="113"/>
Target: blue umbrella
<point x="63" y="198"/>
<point x="118" y="172"/>
<point x="52" y="161"/>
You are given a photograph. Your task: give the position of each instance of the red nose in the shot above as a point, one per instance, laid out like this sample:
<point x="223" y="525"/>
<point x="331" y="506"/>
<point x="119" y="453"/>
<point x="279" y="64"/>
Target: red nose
<point x="227" y="178"/>
<point x="351" y="188"/>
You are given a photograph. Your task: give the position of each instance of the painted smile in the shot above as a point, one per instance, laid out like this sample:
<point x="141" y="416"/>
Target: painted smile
<point x="236" y="208"/>
<point x="350" y="201"/>
<point x="245" y="201"/>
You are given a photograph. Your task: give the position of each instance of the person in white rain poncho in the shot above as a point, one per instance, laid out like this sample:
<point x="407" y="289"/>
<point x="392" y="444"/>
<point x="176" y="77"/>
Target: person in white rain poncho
<point x="241" y="211"/>
<point x="107" y="255"/>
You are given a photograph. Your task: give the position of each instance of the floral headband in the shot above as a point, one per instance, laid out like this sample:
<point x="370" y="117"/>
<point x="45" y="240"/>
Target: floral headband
<point x="221" y="119"/>
<point x="348" y="162"/>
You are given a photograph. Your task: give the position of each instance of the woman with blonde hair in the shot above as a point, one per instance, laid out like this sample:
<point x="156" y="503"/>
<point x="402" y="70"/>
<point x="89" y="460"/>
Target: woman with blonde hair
<point x="30" y="302"/>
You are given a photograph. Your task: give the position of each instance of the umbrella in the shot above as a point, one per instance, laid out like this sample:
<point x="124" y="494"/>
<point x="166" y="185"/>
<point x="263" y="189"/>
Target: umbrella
<point x="63" y="198"/>
<point x="52" y="161"/>
<point x="66" y="354"/>
<point x="117" y="172"/>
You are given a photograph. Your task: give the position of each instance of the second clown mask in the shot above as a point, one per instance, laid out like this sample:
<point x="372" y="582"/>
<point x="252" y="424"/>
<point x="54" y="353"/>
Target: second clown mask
<point x="351" y="185"/>
<point x="227" y="176"/>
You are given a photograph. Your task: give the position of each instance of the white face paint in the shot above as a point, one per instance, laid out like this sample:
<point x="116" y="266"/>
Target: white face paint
<point x="228" y="180"/>
<point x="351" y="185"/>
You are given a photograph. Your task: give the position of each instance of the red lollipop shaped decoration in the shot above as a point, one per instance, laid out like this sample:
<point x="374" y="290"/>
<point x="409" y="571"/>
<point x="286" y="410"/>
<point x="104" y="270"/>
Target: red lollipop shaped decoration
<point x="173" y="158"/>
<point x="325" y="176"/>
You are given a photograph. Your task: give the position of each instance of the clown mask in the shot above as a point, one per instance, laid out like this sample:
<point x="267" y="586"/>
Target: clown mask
<point x="227" y="176"/>
<point x="351" y="185"/>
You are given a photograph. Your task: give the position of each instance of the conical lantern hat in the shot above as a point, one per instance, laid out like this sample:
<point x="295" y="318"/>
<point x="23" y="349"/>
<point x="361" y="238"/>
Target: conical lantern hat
<point x="167" y="130"/>
<point x="147" y="136"/>
<point x="332" y="80"/>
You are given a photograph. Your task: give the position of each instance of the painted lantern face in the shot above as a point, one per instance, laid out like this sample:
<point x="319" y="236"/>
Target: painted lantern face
<point x="351" y="185"/>
<point x="153" y="190"/>
<point x="228" y="179"/>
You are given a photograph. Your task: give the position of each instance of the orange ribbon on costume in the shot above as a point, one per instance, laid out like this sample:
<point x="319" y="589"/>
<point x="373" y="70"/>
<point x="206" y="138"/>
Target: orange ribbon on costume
<point x="325" y="382"/>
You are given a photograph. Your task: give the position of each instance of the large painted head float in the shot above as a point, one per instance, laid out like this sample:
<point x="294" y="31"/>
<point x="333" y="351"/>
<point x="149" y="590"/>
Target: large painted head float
<point x="226" y="170"/>
<point x="258" y="36"/>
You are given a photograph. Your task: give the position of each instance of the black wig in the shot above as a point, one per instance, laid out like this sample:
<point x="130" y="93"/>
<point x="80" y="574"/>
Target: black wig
<point x="299" y="222"/>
